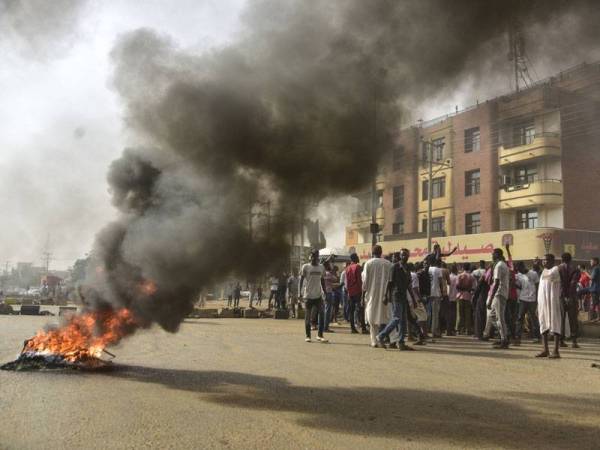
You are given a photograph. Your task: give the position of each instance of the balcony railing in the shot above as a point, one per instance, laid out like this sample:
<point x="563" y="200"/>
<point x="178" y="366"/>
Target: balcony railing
<point x="538" y="192"/>
<point x="542" y="145"/>
<point x="528" y="140"/>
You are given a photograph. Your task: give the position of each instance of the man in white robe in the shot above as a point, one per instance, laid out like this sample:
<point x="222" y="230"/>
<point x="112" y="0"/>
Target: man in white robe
<point x="375" y="277"/>
<point x="550" y="306"/>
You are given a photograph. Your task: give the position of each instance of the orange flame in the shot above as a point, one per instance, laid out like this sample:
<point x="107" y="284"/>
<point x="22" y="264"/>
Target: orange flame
<point x="84" y="335"/>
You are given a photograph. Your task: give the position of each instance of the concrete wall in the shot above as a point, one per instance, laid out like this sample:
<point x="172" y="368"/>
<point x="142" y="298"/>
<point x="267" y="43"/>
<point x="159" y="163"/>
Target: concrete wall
<point x="486" y="160"/>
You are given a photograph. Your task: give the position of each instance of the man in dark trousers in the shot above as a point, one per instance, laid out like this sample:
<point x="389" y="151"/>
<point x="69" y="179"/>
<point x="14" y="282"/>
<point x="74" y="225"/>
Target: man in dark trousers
<point x="569" y="279"/>
<point x="353" y="282"/>
<point x="312" y="290"/>
<point x="400" y="289"/>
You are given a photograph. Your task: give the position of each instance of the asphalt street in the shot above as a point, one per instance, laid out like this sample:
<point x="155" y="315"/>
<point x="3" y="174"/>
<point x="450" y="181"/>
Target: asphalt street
<point x="255" y="384"/>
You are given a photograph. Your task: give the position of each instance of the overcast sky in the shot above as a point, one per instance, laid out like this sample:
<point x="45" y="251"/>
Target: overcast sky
<point x="61" y="122"/>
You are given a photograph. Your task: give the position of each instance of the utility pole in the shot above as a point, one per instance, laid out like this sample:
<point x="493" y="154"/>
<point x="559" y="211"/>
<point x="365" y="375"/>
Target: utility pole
<point x="374" y="225"/>
<point x="429" y="193"/>
<point x="374" y="197"/>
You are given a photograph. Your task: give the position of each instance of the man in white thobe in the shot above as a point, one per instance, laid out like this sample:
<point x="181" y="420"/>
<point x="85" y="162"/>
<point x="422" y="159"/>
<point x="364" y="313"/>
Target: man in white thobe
<point x="549" y="306"/>
<point x="375" y="277"/>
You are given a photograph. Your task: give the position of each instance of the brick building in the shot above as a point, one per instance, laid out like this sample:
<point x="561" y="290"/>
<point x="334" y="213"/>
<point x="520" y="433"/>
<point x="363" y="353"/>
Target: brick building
<point x="521" y="168"/>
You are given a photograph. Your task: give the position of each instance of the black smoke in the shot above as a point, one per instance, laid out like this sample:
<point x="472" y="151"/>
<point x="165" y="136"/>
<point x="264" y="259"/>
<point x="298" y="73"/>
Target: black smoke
<point x="302" y="106"/>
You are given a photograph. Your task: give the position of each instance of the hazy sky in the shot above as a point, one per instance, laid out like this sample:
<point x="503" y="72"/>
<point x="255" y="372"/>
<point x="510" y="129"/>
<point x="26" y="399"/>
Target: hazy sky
<point x="61" y="122"/>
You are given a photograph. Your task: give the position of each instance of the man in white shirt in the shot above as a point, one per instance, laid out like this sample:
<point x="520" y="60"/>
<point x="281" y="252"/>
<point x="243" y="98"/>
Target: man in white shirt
<point x="526" y="281"/>
<point x="550" y="306"/>
<point x="274" y="282"/>
<point x="312" y="290"/>
<point x="498" y="297"/>
<point x="435" y="298"/>
<point x="375" y="277"/>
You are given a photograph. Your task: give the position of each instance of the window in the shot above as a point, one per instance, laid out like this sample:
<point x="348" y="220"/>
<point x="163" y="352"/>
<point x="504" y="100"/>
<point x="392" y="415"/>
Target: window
<point x="398" y="228"/>
<point x="472" y="182"/>
<point x="472" y="140"/>
<point x="438" y="224"/>
<point x="397" y="157"/>
<point x="524" y="175"/>
<point x="527" y="219"/>
<point x="437" y="149"/>
<point x="438" y="188"/>
<point x="380" y="199"/>
<point x="398" y="197"/>
<point x="524" y="133"/>
<point x="473" y="223"/>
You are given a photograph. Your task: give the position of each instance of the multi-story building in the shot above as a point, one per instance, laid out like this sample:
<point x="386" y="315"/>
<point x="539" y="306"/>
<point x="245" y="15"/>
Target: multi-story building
<point x="523" y="168"/>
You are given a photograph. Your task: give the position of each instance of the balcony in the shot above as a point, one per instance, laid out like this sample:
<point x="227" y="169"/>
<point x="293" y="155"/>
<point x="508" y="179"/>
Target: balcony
<point x="363" y="218"/>
<point x="536" y="193"/>
<point x="543" y="145"/>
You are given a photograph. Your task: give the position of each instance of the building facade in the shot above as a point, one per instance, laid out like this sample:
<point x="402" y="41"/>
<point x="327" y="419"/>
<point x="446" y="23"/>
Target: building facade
<point x="521" y="168"/>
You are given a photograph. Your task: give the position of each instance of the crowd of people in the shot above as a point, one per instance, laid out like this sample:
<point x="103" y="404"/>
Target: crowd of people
<point x="394" y="300"/>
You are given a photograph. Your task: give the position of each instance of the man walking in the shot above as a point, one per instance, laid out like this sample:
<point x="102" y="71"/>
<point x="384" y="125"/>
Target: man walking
<point x="399" y="290"/>
<point x="354" y="287"/>
<point x="375" y="277"/>
<point x="498" y="297"/>
<point x="569" y="277"/>
<point x="549" y="306"/>
<point x="312" y="289"/>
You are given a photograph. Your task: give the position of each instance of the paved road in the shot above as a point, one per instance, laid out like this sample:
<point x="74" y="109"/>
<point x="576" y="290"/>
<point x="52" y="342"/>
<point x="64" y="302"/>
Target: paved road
<point x="241" y="383"/>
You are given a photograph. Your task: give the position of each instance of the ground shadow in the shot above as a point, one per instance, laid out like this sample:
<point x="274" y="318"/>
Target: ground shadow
<point x="457" y="418"/>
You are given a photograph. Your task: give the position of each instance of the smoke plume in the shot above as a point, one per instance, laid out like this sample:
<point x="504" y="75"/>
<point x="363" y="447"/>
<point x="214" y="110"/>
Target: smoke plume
<point x="39" y="27"/>
<point x="301" y="107"/>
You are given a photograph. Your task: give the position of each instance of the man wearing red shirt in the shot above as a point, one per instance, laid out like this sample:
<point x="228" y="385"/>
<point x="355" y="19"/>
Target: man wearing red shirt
<point x="584" y="282"/>
<point x="354" y="288"/>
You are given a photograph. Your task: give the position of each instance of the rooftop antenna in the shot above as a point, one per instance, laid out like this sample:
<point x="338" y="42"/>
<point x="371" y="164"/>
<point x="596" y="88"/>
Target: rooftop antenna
<point x="517" y="55"/>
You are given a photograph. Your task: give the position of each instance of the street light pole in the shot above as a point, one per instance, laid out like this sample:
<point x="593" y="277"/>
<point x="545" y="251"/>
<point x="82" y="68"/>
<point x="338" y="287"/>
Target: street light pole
<point x="374" y="205"/>
<point x="429" y="193"/>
